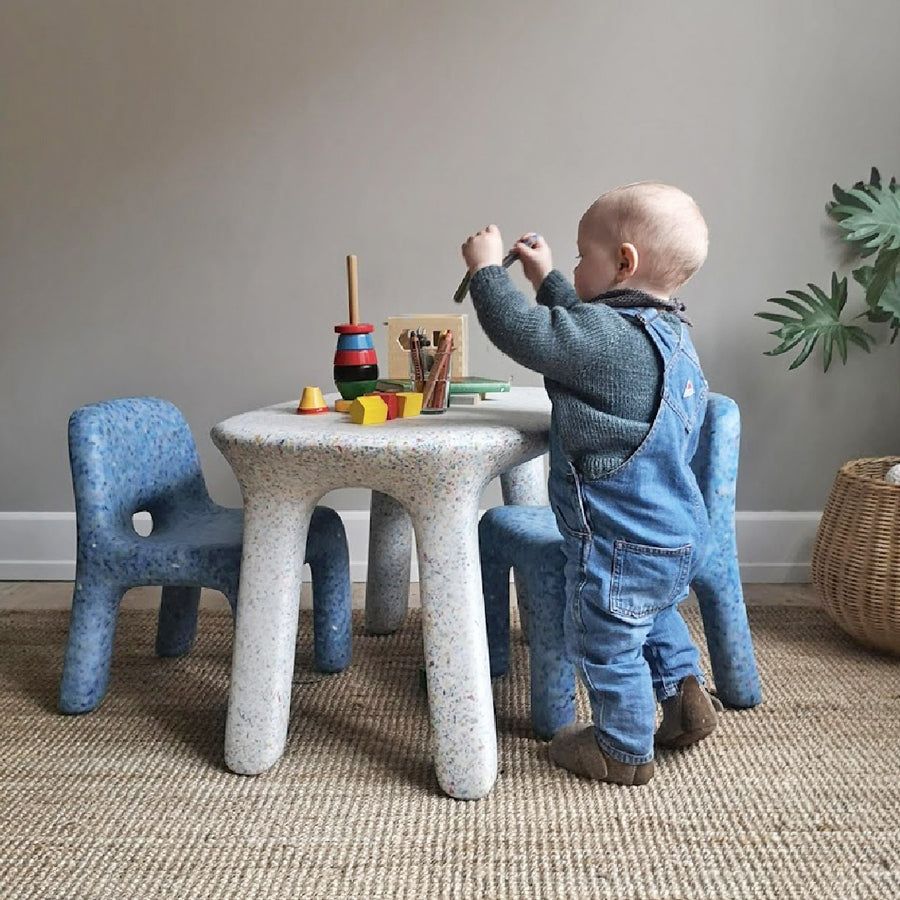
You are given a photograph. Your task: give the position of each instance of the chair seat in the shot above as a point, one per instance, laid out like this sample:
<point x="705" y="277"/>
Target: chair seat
<point x="529" y="529"/>
<point x="202" y="547"/>
<point x="219" y="527"/>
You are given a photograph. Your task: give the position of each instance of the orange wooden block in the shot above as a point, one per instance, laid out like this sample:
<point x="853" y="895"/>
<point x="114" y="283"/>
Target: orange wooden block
<point x="409" y="404"/>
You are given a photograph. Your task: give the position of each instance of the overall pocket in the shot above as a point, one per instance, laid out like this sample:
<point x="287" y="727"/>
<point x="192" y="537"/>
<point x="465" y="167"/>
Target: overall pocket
<point x="646" y="579"/>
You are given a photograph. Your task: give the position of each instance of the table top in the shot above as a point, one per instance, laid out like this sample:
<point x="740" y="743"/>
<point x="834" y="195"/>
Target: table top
<point x="279" y="453"/>
<point x="498" y="418"/>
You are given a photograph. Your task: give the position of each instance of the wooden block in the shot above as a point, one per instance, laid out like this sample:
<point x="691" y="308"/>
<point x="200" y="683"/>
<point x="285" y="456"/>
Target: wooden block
<point x="465" y="399"/>
<point x="390" y="400"/>
<point x="408" y="404"/>
<point x="369" y="409"/>
<point x="398" y="357"/>
<point x="342" y="405"/>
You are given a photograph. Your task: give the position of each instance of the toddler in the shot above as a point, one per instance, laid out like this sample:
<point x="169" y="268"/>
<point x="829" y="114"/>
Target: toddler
<point x="628" y="398"/>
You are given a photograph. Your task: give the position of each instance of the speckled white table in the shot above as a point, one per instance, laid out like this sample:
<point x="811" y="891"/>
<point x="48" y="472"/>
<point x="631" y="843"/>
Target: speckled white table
<point x="435" y="468"/>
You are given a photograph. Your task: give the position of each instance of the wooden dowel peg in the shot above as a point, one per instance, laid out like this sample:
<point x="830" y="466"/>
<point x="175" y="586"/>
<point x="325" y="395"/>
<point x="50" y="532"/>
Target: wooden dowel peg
<point x="353" y="289"/>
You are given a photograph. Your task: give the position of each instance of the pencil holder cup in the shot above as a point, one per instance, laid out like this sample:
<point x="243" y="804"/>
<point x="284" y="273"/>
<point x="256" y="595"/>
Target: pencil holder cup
<point x="434" y="386"/>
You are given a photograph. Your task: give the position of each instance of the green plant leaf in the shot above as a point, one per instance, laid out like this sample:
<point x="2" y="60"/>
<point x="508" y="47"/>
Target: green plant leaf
<point x="843" y="198"/>
<point x="883" y="290"/>
<point x="841" y="340"/>
<point x="882" y="285"/>
<point x="792" y="305"/>
<point x="817" y="315"/>
<point x="863" y="339"/>
<point x="839" y="208"/>
<point x="863" y="277"/>
<point x="870" y="216"/>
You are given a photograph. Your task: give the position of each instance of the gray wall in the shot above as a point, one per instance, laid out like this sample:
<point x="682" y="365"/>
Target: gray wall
<point x="182" y="179"/>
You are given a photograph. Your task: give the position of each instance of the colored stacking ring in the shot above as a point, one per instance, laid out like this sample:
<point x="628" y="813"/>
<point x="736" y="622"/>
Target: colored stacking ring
<point x="355" y="358"/>
<point x="355" y="363"/>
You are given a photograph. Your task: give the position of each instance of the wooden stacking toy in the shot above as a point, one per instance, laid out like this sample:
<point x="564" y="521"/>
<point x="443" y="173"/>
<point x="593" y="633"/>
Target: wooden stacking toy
<point x="355" y="364"/>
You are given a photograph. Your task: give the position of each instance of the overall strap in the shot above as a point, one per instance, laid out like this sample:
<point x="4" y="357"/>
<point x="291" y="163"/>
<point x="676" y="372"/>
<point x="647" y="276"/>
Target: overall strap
<point x="664" y="338"/>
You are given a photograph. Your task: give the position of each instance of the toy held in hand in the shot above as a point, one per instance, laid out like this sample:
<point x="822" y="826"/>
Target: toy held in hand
<point x="508" y="260"/>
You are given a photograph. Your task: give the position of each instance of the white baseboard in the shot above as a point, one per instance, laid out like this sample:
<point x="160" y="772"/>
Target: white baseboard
<point x="774" y="547"/>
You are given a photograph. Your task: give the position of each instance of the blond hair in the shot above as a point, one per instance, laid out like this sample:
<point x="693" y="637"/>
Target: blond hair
<point x="664" y="224"/>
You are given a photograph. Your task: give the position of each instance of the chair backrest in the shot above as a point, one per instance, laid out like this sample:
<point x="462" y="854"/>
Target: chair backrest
<point x="133" y="455"/>
<point x="715" y="463"/>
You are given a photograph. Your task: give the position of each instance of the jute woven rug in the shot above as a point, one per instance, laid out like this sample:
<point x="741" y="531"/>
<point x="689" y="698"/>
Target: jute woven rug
<point x="797" y="798"/>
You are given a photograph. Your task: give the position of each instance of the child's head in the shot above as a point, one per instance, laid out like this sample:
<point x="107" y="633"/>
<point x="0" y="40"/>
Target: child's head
<point x="647" y="236"/>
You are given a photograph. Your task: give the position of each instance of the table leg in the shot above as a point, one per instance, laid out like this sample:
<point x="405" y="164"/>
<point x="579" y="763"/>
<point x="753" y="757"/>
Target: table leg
<point x="456" y="653"/>
<point x="265" y="632"/>
<point x="525" y="484"/>
<point x="390" y="550"/>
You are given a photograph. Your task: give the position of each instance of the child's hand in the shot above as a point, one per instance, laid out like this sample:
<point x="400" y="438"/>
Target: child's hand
<point x="536" y="259"/>
<point x="483" y="249"/>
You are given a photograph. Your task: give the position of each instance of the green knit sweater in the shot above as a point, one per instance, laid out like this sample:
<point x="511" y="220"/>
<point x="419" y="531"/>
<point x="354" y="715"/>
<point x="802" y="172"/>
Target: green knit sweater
<point x="600" y="368"/>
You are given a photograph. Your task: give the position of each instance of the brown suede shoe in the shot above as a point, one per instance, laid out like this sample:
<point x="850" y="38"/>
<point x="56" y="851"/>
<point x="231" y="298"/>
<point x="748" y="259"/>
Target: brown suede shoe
<point x="691" y="715"/>
<point x="575" y="748"/>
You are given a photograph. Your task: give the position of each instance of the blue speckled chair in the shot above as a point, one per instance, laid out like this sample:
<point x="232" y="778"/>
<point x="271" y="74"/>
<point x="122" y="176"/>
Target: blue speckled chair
<point x="138" y="455"/>
<point x="527" y="539"/>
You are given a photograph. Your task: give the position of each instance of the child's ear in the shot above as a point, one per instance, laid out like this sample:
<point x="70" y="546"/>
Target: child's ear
<point x="627" y="262"/>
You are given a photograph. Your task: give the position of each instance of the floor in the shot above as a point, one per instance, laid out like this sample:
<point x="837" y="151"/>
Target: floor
<point x="36" y="595"/>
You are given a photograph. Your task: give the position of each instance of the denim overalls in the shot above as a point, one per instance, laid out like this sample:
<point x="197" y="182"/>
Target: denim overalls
<point x="633" y="542"/>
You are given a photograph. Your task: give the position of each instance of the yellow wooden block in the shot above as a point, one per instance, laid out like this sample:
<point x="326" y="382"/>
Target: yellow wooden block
<point x="367" y="410"/>
<point x="342" y="405"/>
<point x="408" y="404"/>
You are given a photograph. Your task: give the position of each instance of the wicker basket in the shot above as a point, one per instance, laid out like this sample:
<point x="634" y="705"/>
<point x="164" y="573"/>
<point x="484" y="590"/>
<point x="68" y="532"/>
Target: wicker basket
<point x="856" y="557"/>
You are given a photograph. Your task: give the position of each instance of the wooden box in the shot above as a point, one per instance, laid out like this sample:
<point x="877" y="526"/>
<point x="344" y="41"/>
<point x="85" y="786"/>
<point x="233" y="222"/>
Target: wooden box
<point x="398" y="358"/>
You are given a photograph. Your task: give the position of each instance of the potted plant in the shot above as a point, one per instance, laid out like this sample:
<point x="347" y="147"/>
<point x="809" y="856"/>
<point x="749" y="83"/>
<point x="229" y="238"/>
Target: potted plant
<point x="856" y="555"/>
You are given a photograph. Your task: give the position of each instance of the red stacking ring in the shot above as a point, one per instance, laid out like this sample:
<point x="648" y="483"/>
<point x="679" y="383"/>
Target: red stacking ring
<point x="355" y="358"/>
<point x="354" y="328"/>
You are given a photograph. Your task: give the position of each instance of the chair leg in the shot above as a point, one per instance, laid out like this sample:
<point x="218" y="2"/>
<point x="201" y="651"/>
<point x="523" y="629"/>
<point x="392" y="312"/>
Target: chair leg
<point x="552" y="673"/>
<point x="177" y="623"/>
<point x="330" y="566"/>
<point x="495" y="588"/>
<point x="524" y="485"/>
<point x="92" y="628"/>
<point x="728" y="639"/>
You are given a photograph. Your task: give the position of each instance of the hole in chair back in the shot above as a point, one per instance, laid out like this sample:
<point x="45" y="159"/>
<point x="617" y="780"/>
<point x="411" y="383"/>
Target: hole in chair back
<point x="142" y="522"/>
